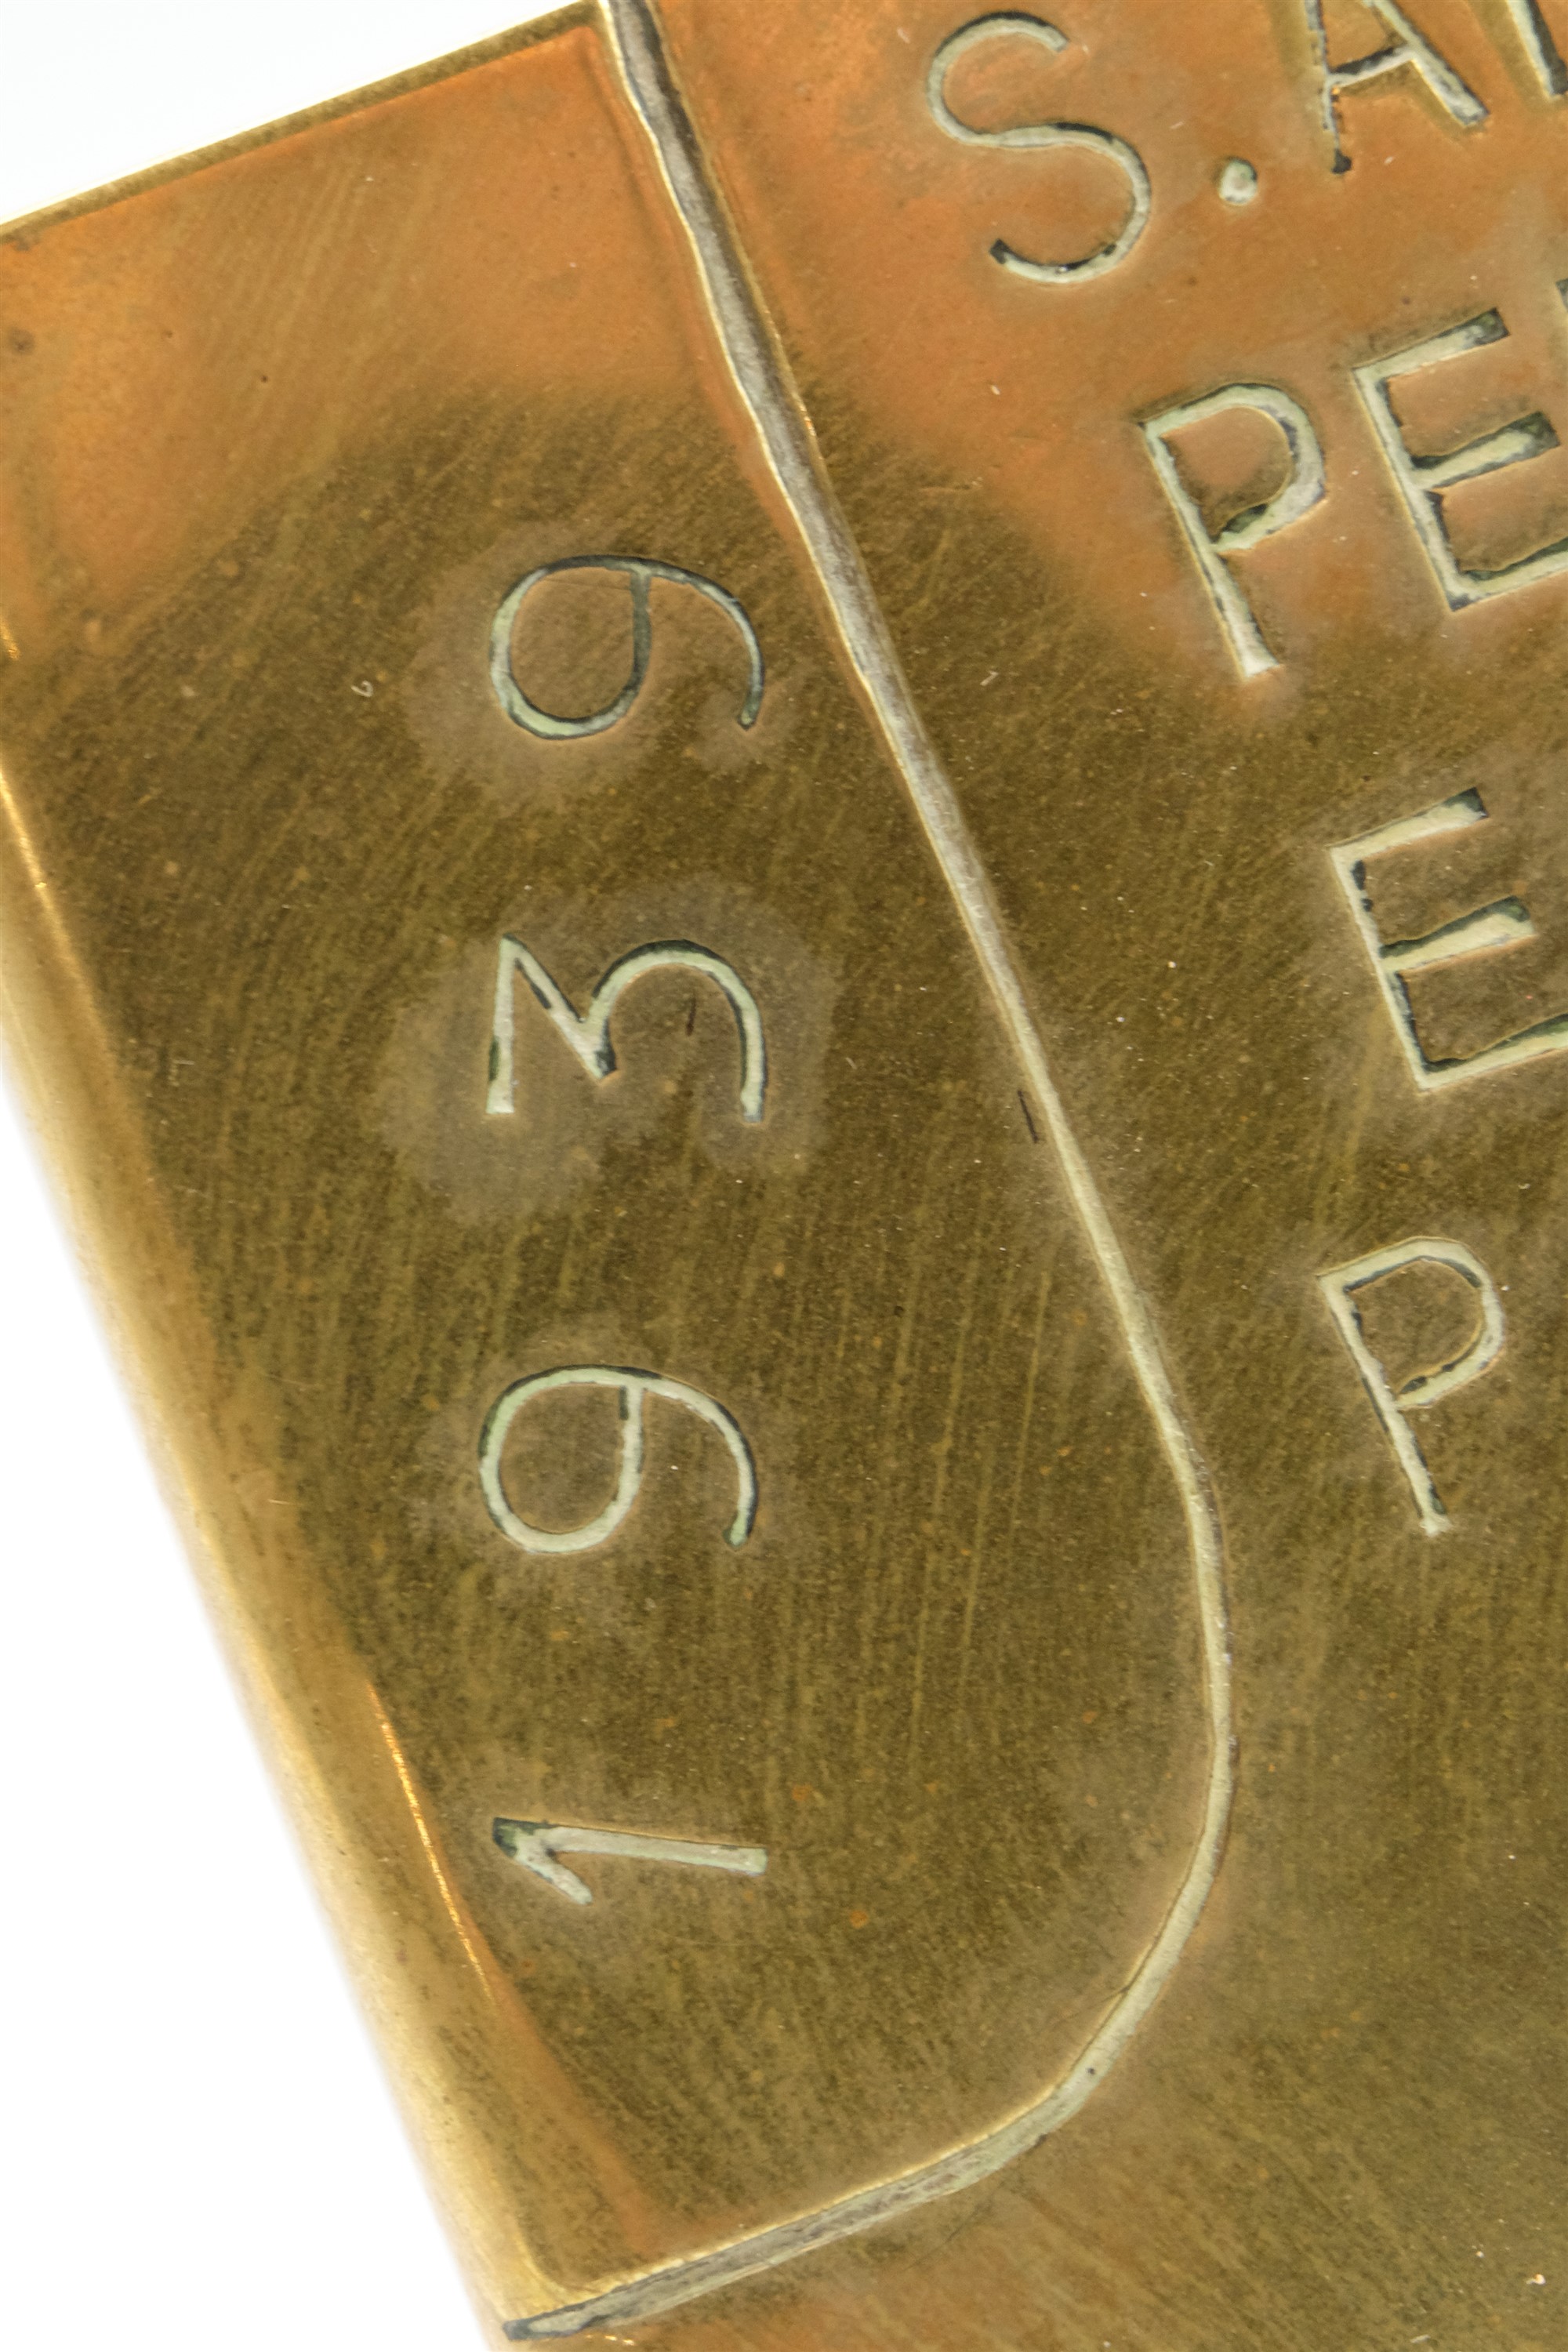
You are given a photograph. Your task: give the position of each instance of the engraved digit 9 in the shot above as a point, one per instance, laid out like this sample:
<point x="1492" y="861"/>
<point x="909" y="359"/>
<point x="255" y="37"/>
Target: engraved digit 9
<point x="630" y="1388"/>
<point x="639" y="571"/>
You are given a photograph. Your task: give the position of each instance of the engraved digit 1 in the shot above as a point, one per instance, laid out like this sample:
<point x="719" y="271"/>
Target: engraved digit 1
<point x="538" y="1846"/>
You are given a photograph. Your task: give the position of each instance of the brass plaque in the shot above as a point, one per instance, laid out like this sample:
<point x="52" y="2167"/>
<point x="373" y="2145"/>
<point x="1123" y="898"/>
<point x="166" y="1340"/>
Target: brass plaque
<point x="781" y="885"/>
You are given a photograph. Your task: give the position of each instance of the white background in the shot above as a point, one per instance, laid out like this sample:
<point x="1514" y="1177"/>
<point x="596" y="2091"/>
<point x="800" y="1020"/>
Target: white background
<point x="196" y="2149"/>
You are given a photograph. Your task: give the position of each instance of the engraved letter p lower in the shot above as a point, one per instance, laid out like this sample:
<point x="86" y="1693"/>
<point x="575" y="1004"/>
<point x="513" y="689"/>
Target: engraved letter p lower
<point x="1212" y="550"/>
<point x="1393" y="1406"/>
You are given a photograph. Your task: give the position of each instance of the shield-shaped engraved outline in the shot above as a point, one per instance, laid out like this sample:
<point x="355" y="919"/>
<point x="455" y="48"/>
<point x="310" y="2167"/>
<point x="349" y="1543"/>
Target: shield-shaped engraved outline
<point x="752" y="358"/>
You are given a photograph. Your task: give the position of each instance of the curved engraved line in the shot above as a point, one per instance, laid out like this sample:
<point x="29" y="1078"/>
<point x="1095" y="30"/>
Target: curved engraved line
<point x="588" y="1033"/>
<point x="1038" y="135"/>
<point x="685" y="955"/>
<point x="632" y="1386"/>
<point x="639" y="571"/>
<point x="759" y="374"/>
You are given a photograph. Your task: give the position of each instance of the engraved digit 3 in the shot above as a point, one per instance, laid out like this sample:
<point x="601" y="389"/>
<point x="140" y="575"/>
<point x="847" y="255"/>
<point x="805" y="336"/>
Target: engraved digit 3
<point x="588" y="1033"/>
<point x="631" y="1387"/>
<point x="639" y="571"/>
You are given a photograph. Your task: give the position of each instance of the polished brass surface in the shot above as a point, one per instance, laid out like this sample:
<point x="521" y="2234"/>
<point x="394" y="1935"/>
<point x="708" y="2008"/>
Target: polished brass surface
<point x="780" y="885"/>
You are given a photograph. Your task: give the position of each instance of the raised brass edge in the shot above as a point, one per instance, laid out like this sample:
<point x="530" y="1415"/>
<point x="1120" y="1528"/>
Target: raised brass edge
<point x="760" y="381"/>
<point x="752" y="359"/>
<point x="61" y="1074"/>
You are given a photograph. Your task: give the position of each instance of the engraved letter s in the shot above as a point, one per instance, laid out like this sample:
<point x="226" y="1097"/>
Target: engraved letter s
<point x="1040" y="134"/>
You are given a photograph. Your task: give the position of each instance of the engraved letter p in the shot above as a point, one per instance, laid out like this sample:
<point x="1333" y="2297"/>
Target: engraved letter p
<point x="1394" y="1405"/>
<point x="1212" y="550"/>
